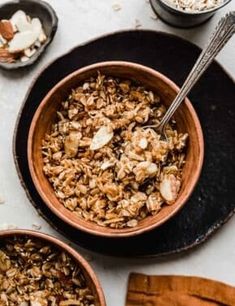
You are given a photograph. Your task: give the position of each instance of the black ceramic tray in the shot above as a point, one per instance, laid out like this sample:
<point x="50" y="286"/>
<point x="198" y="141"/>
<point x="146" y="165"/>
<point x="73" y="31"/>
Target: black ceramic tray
<point x="213" y="201"/>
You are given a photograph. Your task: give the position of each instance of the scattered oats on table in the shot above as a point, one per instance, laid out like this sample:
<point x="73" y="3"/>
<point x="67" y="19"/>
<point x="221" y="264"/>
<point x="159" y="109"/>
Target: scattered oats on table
<point x="34" y="273"/>
<point x="116" y="7"/>
<point x="103" y="166"/>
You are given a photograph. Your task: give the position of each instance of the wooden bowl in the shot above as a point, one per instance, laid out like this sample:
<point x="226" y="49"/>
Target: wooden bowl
<point x="92" y="280"/>
<point x="187" y="121"/>
<point x="33" y="8"/>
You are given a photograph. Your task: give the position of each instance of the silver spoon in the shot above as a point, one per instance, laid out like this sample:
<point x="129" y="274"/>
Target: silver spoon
<point x="223" y="32"/>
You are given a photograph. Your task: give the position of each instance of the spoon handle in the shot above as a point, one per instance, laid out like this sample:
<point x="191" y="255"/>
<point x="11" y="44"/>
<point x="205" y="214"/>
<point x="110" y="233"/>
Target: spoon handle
<point x="223" y="32"/>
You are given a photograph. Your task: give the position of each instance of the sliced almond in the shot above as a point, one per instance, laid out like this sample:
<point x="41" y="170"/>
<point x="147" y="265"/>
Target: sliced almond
<point x="169" y="188"/>
<point x="24" y="59"/>
<point x="132" y="223"/>
<point x="42" y="37"/>
<point x="107" y="164"/>
<point x="101" y="138"/>
<point x="19" y="21"/>
<point x="22" y="41"/>
<point x="29" y="52"/>
<point x="6" y="29"/>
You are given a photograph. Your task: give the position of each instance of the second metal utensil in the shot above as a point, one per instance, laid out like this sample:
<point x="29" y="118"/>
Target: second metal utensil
<point x="223" y="32"/>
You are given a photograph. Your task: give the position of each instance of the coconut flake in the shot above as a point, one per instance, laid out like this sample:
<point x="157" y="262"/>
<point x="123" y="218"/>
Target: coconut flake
<point x="101" y="138"/>
<point x="24" y="59"/>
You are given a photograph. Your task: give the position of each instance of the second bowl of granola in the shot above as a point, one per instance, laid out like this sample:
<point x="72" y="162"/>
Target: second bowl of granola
<point x="38" y="269"/>
<point x="93" y="163"/>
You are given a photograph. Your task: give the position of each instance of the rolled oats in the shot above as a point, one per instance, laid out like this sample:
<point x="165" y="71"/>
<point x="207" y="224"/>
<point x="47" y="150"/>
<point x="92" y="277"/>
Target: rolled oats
<point x="33" y="273"/>
<point x="102" y="164"/>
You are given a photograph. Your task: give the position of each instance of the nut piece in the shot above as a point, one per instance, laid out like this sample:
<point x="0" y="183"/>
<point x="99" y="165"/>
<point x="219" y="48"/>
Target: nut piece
<point x="6" y="56"/>
<point x="101" y="138"/>
<point x="71" y="143"/>
<point x="22" y="41"/>
<point x="19" y="19"/>
<point x="29" y="52"/>
<point x="144" y="170"/>
<point x="42" y="37"/>
<point x="36" y="27"/>
<point x="6" y="29"/>
<point x="169" y="188"/>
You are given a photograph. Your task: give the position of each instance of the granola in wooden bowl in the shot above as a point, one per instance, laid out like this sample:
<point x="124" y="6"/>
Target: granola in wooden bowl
<point x="103" y="165"/>
<point x="94" y="163"/>
<point x="38" y="270"/>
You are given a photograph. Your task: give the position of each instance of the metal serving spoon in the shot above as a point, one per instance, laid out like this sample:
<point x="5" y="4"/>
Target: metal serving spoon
<point x="223" y="32"/>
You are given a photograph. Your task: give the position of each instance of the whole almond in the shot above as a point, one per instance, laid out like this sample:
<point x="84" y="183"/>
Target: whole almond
<point x="6" y="29"/>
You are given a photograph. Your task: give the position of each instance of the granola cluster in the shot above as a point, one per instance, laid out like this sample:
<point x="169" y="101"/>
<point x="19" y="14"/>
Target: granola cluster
<point x="33" y="273"/>
<point x="103" y="165"/>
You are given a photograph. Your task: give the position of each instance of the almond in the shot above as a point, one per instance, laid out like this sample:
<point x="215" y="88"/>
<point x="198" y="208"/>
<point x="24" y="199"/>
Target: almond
<point x="42" y="37"/>
<point x="6" y="56"/>
<point x="169" y="188"/>
<point x="101" y="138"/>
<point x="29" y="52"/>
<point x="3" y="41"/>
<point x="36" y="26"/>
<point x="6" y="29"/>
<point x="22" y="41"/>
<point x="24" y="59"/>
<point x="18" y="19"/>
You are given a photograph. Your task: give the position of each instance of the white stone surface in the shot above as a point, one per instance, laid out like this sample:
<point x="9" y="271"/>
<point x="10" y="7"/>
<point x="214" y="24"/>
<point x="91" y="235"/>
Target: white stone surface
<point x="79" y="21"/>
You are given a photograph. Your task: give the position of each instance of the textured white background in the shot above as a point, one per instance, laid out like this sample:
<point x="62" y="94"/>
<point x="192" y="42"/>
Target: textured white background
<point x="79" y="21"/>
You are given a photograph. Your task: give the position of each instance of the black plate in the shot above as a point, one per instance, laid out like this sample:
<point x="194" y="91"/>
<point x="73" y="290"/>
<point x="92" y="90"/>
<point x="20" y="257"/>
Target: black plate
<point x="213" y="201"/>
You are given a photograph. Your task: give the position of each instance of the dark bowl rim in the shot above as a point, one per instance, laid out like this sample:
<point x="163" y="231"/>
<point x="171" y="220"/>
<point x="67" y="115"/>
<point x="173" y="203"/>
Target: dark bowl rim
<point x="193" y="13"/>
<point x="63" y="246"/>
<point x="42" y="49"/>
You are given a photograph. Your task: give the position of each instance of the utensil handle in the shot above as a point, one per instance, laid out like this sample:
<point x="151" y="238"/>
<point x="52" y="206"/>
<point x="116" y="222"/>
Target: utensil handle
<point x="223" y="32"/>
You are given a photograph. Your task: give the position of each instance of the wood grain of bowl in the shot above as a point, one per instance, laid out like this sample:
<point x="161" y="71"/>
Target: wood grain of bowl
<point x="91" y="279"/>
<point x="186" y="118"/>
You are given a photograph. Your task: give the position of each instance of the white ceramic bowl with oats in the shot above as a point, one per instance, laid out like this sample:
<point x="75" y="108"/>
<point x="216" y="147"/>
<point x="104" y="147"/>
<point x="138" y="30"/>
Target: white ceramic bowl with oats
<point x="187" y="13"/>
